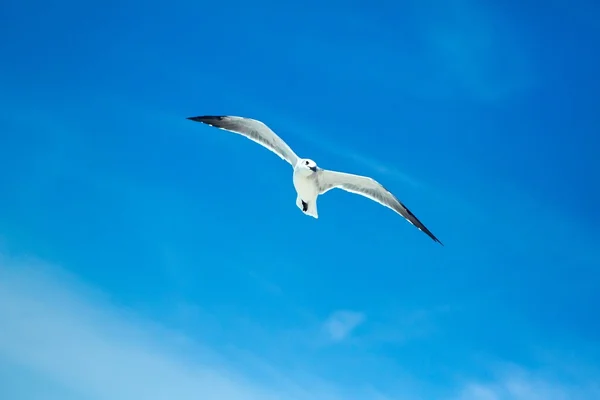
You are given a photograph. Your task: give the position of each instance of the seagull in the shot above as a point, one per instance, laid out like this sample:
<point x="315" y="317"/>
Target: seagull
<point x="310" y="181"/>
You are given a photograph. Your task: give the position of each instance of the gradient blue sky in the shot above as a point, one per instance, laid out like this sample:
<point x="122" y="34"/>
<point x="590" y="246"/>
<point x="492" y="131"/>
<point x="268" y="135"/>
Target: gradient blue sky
<point x="144" y="256"/>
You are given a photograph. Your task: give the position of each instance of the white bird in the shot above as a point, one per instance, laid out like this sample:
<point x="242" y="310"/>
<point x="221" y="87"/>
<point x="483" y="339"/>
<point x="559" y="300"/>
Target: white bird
<point x="310" y="181"/>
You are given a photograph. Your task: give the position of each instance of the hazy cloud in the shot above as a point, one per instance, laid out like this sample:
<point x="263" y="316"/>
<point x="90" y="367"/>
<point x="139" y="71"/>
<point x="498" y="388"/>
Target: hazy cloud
<point x="515" y="383"/>
<point x="55" y="329"/>
<point x="341" y="324"/>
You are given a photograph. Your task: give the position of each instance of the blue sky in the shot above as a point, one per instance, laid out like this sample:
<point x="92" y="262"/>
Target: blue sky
<point x="146" y="256"/>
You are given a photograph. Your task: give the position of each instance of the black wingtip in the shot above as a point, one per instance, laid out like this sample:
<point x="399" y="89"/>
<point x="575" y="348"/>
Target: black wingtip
<point x="426" y="231"/>
<point x="432" y="236"/>
<point x="419" y="225"/>
<point x="207" y="119"/>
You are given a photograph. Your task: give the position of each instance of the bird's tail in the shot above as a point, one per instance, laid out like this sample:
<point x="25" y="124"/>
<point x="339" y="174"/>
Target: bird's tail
<point x="312" y="209"/>
<point x="309" y="208"/>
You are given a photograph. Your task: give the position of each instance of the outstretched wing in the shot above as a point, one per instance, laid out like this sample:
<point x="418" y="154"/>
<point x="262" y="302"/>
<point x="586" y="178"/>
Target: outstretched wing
<point x="370" y="188"/>
<point x="253" y="130"/>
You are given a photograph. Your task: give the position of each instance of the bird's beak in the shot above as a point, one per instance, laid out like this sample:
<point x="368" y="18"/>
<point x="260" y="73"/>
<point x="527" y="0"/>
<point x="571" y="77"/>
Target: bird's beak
<point x="313" y="169"/>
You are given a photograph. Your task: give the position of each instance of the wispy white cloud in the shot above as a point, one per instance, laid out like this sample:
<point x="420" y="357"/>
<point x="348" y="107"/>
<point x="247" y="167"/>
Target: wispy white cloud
<point x="517" y="383"/>
<point x="61" y="331"/>
<point x="341" y="323"/>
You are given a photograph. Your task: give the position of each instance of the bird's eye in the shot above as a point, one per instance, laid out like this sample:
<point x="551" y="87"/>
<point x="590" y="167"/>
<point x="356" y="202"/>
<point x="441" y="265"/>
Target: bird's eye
<point x="306" y="162"/>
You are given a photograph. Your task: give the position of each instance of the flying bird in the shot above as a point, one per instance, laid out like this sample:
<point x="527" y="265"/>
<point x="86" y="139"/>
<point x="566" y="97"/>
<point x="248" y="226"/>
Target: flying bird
<point x="310" y="181"/>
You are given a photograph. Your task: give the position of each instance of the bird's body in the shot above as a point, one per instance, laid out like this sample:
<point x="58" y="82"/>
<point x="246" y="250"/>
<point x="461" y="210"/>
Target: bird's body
<point x="305" y="183"/>
<point x="309" y="180"/>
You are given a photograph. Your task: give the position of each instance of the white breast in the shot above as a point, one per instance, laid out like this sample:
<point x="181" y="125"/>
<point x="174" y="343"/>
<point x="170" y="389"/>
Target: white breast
<point x="305" y="186"/>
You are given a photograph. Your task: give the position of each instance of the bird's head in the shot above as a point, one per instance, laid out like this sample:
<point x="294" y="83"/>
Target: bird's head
<point x="307" y="165"/>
